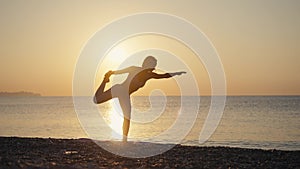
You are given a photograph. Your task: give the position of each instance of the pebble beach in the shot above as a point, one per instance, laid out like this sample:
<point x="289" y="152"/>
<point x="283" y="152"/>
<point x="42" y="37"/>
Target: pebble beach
<point x="46" y="153"/>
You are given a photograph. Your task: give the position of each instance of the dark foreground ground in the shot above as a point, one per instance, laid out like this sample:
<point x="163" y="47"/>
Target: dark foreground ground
<point x="83" y="153"/>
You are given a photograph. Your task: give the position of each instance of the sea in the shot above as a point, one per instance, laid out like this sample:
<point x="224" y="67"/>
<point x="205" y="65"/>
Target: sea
<point x="259" y="122"/>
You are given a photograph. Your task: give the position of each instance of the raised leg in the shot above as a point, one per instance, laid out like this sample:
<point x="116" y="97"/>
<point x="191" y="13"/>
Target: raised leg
<point x="100" y="95"/>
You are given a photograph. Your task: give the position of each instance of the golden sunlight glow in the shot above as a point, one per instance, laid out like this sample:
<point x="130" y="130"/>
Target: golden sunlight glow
<point x="263" y="61"/>
<point x="117" y="54"/>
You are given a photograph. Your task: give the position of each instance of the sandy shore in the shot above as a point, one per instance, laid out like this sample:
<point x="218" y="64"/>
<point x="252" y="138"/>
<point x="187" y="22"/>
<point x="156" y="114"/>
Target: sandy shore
<point x="18" y="152"/>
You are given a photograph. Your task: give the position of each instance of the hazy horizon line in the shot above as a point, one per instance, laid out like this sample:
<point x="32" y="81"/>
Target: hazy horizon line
<point x="180" y="95"/>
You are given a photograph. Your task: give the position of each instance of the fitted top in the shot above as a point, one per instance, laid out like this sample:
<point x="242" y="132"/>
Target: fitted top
<point x="138" y="77"/>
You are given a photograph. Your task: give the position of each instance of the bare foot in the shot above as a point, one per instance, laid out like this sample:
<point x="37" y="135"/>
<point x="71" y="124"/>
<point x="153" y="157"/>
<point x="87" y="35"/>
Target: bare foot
<point x="107" y="75"/>
<point x="124" y="139"/>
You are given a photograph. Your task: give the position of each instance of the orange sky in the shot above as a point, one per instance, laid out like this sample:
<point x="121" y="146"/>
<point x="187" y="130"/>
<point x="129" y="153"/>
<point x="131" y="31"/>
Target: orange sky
<point x="258" y="42"/>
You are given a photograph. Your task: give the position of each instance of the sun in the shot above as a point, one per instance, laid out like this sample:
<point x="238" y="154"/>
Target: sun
<point x="112" y="60"/>
<point x="117" y="54"/>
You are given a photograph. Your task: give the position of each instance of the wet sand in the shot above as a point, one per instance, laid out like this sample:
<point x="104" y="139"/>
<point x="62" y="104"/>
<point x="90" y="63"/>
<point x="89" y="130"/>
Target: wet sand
<point x="43" y="153"/>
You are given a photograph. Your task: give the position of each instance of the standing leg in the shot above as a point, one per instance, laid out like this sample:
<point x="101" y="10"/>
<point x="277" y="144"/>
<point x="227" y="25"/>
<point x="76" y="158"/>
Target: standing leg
<point x="124" y="100"/>
<point x="126" y="125"/>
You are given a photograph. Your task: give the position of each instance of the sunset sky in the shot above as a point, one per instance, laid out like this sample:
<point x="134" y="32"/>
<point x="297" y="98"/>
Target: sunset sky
<point x="258" y="42"/>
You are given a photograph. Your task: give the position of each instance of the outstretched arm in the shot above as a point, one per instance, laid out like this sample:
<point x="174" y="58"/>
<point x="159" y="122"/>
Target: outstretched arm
<point x="166" y="75"/>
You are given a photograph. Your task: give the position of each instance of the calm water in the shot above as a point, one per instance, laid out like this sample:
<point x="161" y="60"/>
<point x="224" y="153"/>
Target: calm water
<point x="266" y="122"/>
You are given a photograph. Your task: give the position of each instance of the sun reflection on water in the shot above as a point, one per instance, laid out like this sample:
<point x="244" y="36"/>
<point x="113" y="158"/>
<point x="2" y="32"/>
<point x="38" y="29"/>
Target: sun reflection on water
<point x="115" y="121"/>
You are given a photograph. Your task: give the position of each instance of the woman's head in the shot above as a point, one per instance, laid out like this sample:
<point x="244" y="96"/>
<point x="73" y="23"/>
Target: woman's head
<point x="149" y="62"/>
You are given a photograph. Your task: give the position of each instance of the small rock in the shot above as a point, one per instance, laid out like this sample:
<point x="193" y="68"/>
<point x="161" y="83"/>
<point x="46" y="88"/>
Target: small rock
<point x="70" y="152"/>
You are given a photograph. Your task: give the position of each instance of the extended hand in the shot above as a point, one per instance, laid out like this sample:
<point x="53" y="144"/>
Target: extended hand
<point x="107" y="75"/>
<point x="180" y="73"/>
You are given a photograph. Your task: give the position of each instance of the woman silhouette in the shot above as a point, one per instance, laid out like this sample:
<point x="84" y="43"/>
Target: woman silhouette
<point x="137" y="77"/>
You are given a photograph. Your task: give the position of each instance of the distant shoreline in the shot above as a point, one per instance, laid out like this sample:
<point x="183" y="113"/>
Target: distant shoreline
<point x="20" y="93"/>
